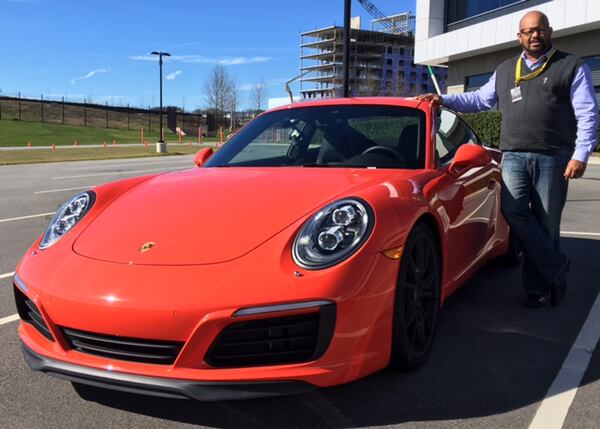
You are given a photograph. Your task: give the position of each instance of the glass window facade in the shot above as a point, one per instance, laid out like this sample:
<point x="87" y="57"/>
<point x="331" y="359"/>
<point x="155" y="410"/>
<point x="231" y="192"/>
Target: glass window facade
<point x="476" y="81"/>
<point x="594" y="64"/>
<point x="461" y="13"/>
<point x="457" y="10"/>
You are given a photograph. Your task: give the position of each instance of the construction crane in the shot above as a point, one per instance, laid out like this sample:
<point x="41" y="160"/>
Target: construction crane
<point x="379" y="16"/>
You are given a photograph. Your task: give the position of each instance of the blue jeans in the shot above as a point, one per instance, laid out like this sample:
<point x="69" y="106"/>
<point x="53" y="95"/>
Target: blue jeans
<point x="533" y="196"/>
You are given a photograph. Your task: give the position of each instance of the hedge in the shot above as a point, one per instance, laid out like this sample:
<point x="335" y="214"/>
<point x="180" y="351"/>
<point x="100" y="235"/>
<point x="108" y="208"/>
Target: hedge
<point x="487" y="127"/>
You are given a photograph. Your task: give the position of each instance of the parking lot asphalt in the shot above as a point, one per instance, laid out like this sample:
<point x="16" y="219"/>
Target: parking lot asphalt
<point x="492" y="364"/>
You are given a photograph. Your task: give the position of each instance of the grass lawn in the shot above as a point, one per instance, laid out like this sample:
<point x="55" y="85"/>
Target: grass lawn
<point x="19" y="133"/>
<point x="28" y="156"/>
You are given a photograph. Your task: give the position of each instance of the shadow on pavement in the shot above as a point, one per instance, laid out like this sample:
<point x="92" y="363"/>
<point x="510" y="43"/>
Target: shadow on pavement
<point x="491" y="356"/>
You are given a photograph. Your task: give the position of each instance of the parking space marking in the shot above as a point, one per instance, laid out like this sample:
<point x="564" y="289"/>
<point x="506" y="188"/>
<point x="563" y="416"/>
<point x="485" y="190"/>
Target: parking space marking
<point x="5" y="275"/>
<point x="128" y="163"/>
<point x="10" y="219"/>
<point x="592" y="234"/>
<point x="9" y="319"/>
<point x="63" y="189"/>
<point x="113" y="173"/>
<point x="554" y="408"/>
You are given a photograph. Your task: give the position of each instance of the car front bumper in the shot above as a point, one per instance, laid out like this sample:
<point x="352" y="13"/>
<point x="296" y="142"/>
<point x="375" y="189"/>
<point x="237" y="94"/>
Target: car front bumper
<point x="163" y="387"/>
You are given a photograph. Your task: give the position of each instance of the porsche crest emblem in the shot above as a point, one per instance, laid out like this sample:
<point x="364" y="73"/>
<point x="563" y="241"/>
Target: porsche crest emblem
<point x="146" y="246"/>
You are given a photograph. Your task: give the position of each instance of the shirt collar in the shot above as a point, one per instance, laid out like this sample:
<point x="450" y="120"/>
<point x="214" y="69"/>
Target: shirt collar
<point x="543" y="58"/>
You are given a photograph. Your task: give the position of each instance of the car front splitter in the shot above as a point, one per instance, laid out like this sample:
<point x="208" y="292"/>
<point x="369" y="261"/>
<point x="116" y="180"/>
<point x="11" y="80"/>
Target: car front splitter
<point x="163" y="387"/>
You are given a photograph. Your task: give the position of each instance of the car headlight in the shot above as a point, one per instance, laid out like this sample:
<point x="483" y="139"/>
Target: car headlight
<point x="66" y="217"/>
<point x="333" y="234"/>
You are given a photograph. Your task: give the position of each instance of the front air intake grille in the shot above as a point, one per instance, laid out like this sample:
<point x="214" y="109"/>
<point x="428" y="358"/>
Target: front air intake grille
<point x="274" y="340"/>
<point x="29" y="313"/>
<point x="129" y="349"/>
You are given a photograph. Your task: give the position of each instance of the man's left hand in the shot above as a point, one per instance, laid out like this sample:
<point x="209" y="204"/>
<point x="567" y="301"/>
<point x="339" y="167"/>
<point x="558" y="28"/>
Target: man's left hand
<point x="575" y="169"/>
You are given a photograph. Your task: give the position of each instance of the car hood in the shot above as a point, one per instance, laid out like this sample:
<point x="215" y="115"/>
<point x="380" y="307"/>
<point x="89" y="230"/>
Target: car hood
<point x="210" y="215"/>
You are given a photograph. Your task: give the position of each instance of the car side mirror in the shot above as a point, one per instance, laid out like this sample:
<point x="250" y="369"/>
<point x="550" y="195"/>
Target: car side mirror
<point x="469" y="156"/>
<point x="202" y="156"/>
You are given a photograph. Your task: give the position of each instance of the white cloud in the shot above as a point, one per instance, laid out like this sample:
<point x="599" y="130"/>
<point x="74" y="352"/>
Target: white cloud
<point x="183" y="45"/>
<point x="242" y="60"/>
<point x="199" y="59"/>
<point x="89" y="75"/>
<point x="172" y="76"/>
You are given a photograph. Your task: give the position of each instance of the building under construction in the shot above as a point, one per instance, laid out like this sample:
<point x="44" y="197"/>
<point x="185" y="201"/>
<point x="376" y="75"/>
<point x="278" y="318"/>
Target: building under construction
<point x="381" y="62"/>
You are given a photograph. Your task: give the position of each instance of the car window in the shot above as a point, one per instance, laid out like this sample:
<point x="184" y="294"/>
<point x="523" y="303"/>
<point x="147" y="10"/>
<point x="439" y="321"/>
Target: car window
<point x="329" y="136"/>
<point x="451" y="133"/>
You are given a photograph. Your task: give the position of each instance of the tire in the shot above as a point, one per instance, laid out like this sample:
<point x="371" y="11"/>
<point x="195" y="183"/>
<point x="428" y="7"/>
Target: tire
<point x="417" y="300"/>
<point x="515" y="253"/>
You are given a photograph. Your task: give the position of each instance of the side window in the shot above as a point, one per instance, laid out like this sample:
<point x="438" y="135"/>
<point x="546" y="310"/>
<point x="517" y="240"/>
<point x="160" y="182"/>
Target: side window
<point x="451" y="133"/>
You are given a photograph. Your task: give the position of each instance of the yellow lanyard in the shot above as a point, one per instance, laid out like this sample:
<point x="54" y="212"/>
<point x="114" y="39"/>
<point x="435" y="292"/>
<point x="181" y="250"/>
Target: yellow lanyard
<point x="519" y="78"/>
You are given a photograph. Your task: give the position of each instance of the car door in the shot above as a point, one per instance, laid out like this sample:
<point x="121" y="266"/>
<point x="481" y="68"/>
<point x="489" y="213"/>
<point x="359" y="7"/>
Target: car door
<point x="470" y="200"/>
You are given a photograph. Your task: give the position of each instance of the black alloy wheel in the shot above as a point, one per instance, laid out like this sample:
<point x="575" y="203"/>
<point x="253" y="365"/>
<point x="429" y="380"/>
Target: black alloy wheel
<point x="417" y="300"/>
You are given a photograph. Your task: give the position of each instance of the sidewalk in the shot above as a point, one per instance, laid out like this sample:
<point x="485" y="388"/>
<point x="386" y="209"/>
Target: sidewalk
<point x="594" y="159"/>
<point x="60" y="147"/>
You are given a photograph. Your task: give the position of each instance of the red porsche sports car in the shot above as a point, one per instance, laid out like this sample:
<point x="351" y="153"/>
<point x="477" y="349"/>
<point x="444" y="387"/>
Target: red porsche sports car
<point x="315" y="247"/>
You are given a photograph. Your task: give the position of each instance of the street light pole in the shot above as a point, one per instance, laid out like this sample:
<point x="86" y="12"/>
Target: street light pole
<point x="161" y="146"/>
<point x="346" y="66"/>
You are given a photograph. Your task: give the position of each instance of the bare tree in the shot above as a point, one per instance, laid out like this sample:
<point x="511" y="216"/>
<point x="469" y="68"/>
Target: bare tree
<point x="258" y="95"/>
<point x="217" y="90"/>
<point x="235" y="97"/>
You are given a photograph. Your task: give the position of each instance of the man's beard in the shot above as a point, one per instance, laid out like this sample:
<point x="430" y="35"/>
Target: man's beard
<point x="542" y="47"/>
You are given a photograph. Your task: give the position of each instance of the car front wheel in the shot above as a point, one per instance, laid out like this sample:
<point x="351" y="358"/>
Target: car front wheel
<point x="417" y="300"/>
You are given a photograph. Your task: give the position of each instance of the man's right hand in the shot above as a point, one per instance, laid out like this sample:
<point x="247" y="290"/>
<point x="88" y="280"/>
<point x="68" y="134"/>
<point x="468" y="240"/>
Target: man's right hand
<point x="435" y="99"/>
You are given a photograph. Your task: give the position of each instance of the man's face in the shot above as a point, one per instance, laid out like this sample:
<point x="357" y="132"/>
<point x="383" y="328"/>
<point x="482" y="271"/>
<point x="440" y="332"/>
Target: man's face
<point x="534" y="34"/>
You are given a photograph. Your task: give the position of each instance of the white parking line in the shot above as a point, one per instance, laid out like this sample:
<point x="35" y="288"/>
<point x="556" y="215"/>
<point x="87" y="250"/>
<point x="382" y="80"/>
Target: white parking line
<point x="114" y="173"/>
<point x="591" y="234"/>
<point x="5" y="275"/>
<point x="555" y="406"/>
<point x="10" y="219"/>
<point x="129" y="163"/>
<point x="9" y="319"/>
<point x="63" y="189"/>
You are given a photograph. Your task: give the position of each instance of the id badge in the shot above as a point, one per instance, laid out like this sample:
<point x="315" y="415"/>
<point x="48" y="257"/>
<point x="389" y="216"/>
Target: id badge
<point x="515" y="94"/>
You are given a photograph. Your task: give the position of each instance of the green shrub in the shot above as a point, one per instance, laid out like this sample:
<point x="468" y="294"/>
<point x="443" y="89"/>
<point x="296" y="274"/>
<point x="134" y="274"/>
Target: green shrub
<point x="486" y="125"/>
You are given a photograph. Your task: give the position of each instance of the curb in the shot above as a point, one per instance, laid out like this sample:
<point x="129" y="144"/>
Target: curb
<point x="594" y="159"/>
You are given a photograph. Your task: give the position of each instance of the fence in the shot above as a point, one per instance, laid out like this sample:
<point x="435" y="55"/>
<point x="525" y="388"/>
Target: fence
<point x="96" y="115"/>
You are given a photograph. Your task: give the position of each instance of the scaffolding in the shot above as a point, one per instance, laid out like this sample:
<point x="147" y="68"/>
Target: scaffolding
<point x="381" y="63"/>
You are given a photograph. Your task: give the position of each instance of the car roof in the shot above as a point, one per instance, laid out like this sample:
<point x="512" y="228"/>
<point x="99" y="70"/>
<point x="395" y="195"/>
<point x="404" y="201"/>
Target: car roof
<point x="354" y="101"/>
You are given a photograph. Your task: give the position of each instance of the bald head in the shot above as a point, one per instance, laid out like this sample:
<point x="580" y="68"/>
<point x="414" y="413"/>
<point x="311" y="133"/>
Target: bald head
<point x="534" y="33"/>
<point x="534" y="15"/>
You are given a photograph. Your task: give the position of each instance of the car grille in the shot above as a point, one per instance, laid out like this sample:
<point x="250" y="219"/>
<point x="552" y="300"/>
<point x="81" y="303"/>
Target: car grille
<point x="274" y="340"/>
<point x="129" y="349"/>
<point x="28" y="312"/>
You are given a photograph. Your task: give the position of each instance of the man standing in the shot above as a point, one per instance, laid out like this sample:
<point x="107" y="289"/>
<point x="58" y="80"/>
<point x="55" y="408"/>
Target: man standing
<point x="548" y="131"/>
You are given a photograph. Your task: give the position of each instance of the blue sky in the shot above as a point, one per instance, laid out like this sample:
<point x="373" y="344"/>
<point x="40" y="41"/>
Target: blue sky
<point x="99" y="49"/>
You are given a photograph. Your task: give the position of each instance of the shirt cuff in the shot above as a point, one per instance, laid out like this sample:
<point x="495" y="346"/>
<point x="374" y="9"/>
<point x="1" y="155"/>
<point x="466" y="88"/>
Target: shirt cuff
<point x="581" y="155"/>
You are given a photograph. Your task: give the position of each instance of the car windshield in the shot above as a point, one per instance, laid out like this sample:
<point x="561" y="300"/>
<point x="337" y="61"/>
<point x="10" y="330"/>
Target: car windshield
<point x="329" y="136"/>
